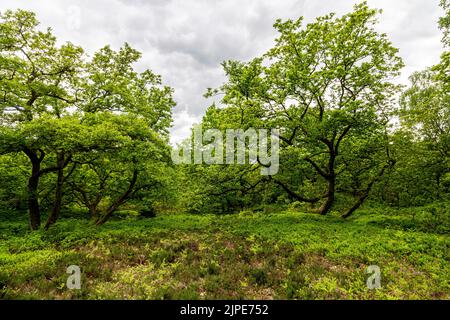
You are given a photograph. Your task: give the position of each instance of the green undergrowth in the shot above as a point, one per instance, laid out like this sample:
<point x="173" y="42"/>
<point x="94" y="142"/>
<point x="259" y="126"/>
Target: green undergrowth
<point x="287" y="255"/>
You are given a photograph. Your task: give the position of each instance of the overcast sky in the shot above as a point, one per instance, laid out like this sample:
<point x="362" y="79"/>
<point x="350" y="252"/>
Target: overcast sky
<point x="186" y="40"/>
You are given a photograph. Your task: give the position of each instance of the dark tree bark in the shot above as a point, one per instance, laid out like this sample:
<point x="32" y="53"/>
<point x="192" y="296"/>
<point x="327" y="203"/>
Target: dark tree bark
<point x="119" y="201"/>
<point x="93" y="211"/>
<point x="36" y="157"/>
<point x="33" y="184"/>
<point x="61" y="163"/>
<point x="58" y="193"/>
<point x="330" y="197"/>
<point x="329" y="176"/>
<point x="33" y="202"/>
<point x="91" y="205"/>
<point x="365" y="193"/>
<point x="293" y="194"/>
<point x="357" y="204"/>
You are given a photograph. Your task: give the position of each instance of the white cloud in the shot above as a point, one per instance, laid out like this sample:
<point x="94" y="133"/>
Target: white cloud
<point x="182" y="123"/>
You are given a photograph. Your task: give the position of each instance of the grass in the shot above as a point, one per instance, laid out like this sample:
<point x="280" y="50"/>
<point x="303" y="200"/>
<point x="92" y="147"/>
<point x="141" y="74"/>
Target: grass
<point x="287" y="255"/>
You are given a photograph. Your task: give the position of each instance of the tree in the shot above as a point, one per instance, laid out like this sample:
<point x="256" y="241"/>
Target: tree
<point x="444" y="22"/>
<point x="51" y="94"/>
<point x="131" y="166"/>
<point x="425" y="113"/>
<point x="140" y="106"/>
<point x="36" y="78"/>
<point x="328" y="86"/>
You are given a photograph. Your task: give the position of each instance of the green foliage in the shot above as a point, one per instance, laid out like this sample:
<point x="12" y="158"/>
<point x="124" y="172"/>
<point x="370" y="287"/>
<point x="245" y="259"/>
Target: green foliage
<point x="328" y="86"/>
<point x="284" y="256"/>
<point x="98" y="125"/>
<point x="84" y="140"/>
<point x="444" y="22"/>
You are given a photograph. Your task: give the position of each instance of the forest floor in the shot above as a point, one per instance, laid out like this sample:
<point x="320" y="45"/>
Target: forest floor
<point x="286" y="255"/>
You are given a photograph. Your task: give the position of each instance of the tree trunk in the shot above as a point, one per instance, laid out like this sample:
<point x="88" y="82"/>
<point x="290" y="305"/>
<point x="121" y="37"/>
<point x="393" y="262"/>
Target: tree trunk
<point x="61" y="163"/>
<point x="293" y="194"/>
<point x="328" y="204"/>
<point x="93" y="207"/>
<point x="92" y="211"/>
<point x="101" y="220"/>
<point x="358" y="204"/>
<point x="33" y="202"/>
<point x="119" y="201"/>
<point x="331" y="179"/>
<point x="58" y="193"/>
<point x="366" y="192"/>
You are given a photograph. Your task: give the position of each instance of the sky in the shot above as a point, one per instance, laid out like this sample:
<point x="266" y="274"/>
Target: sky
<point x="185" y="41"/>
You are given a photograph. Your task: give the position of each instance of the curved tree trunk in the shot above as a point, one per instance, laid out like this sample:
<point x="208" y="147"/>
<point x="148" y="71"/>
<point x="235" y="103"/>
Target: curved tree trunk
<point x="58" y="200"/>
<point x="357" y="204"/>
<point x="330" y="177"/>
<point x="32" y="188"/>
<point x="328" y="204"/>
<point x="121" y="200"/>
<point x="366" y="192"/>
<point x="33" y="202"/>
<point x="60" y="165"/>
